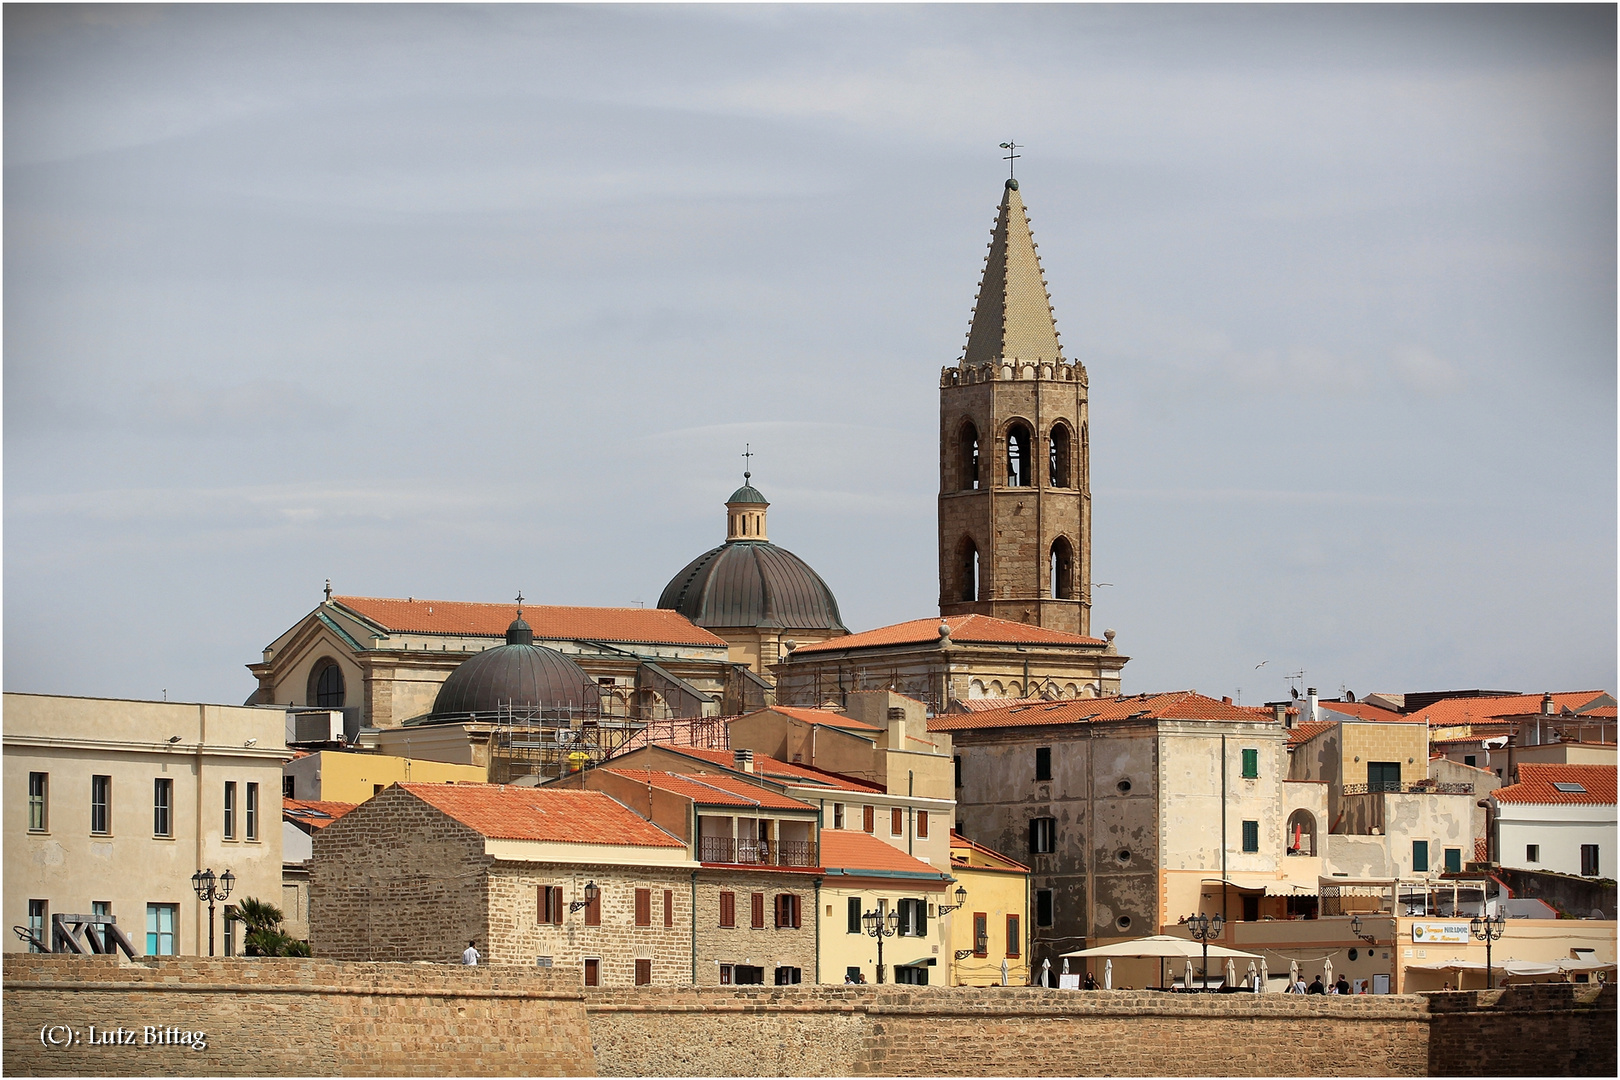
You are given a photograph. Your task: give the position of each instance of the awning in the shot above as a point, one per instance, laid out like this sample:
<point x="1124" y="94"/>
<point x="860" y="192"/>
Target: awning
<point x="1269" y="884"/>
<point x="1514" y="967"/>
<point x="1162" y="945"/>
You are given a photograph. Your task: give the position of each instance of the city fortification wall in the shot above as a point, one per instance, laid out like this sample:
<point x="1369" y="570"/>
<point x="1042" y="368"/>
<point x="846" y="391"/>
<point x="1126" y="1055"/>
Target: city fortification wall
<point x="314" y="1017"/>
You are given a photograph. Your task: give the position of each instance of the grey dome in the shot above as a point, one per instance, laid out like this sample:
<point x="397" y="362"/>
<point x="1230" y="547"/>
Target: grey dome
<point x="748" y="493"/>
<point x="752" y="583"/>
<point x="527" y="679"/>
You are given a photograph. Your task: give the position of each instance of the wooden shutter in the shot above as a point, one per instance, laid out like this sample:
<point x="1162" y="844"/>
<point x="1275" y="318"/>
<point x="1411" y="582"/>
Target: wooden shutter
<point x="593" y="972"/>
<point x="643" y="907"/>
<point x="1015" y="939"/>
<point x="796" y="907"/>
<point x="922" y="824"/>
<point x="855" y="915"/>
<point x="981" y="934"/>
<point x="897" y="821"/>
<point x="869" y="818"/>
<point x="759" y="911"/>
<point x="593" y="913"/>
<point x="728" y="909"/>
<point x="643" y="972"/>
<point x="669" y="907"/>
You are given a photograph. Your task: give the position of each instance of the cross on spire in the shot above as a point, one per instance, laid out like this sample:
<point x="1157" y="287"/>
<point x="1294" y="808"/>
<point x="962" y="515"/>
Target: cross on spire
<point x="1012" y="153"/>
<point x="748" y="454"/>
<point x="520" y="603"/>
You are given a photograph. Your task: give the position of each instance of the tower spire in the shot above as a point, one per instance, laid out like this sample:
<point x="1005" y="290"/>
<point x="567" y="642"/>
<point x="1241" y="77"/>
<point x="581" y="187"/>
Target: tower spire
<point x="1012" y="317"/>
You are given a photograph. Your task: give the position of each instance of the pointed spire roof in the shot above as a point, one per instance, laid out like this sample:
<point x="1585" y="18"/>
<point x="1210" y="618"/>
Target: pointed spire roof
<point x="1012" y="317"/>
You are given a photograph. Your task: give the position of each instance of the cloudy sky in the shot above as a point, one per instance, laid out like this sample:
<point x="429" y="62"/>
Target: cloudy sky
<point x="452" y="301"/>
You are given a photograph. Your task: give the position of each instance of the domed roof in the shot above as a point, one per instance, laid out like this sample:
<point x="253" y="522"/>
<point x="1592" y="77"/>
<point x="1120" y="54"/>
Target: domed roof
<point x="520" y="676"/>
<point x="748" y="493"/>
<point x="752" y="583"/>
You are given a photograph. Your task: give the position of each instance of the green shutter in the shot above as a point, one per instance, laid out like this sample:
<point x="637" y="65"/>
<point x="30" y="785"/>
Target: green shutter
<point x="1251" y="764"/>
<point x="855" y="915"/>
<point x="1420" y="856"/>
<point x="1251" y="836"/>
<point x="1453" y="860"/>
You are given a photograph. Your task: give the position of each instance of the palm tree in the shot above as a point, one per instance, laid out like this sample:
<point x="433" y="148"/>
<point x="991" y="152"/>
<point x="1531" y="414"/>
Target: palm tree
<point x="262" y="933"/>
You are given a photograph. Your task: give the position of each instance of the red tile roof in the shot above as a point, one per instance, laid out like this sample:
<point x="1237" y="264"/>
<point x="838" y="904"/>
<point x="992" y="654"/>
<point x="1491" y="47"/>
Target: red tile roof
<point x="1482" y="849"/>
<point x="968" y="629"/>
<point x="654" y="626"/>
<point x="858" y="852"/>
<point x="960" y="841"/>
<point x="1179" y="705"/>
<point x="1602" y="712"/>
<point x="501" y="812"/>
<point x="1308" y="730"/>
<point x="711" y="790"/>
<point x="1536" y="785"/>
<point x="1450" y="711"/>
<point x="987" y="703"/>
<point x="1362" y="711"/>
<point x="824" y="717"/>
<point x="316" y="813"/>
<point x="780" y="771"/>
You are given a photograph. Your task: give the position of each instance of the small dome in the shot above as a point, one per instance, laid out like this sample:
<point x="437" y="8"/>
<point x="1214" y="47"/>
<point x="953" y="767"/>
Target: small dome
<point x="520" y="677"/>
<point x="748" y="494"/>
<point x="752" y="583"/>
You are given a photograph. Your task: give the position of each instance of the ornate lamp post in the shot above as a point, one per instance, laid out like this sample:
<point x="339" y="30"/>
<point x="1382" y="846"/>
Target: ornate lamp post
<point x="880" y="927"/>
<point x="961" y="898"/>
<point x="1203" y="927"/>
<point x="591" y="893"/>
<point x="211" y="890"/>
<point x="1488" y="929"/>
<point x="1355" y="928"/>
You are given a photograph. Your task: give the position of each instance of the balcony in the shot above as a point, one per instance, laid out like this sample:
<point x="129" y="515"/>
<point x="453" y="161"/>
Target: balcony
<point x="1414" y="787"/>
<point x="723" y="849"/>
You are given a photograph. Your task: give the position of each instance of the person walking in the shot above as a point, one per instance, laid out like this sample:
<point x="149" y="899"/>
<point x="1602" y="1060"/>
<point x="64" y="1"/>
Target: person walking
<point x="1091" y="981"/>
<point x="470" y="957"/>
<point x="1342" y="986"/>
<point x="1316" y="986"/>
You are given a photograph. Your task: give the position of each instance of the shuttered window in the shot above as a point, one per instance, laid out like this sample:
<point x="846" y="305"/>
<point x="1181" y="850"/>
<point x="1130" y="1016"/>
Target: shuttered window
<point x="643" y="907"/>
<point x="669" y="907"/>
<point x="643" y="972"/>
<point x="759" y="911"/>
<point x="787" y="911"/>
<point x="869" y="818"/>
<point x="593" y="912"/>
<point x="728" y="909"/>
<point x="922" y="824"/>
<point x="1015" y="937"/>
<point x="855" y="915"/>
<point x="897" y="821"/>
<point x="548" y="904"/>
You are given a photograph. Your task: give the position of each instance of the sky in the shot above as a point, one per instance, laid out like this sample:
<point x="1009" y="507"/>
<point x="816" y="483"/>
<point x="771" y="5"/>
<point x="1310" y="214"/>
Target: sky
<point x="449" y="302"/>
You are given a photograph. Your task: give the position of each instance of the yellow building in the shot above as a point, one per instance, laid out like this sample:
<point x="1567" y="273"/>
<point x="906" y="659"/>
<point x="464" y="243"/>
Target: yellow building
<point x="865" y="874"/>
<point x="993" y="925"/>
<point x="336" y="776"/>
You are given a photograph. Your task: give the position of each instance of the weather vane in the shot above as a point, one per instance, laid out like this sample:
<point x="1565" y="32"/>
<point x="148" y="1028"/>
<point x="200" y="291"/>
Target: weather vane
<point x="1012" y="152"/>
<point x="748" y="453"/>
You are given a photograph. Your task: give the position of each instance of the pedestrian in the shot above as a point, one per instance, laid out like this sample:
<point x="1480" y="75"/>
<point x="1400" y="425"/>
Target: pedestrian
<point x="470" y="957"/>
<point x="1316" y="986"/>
<point x="1298" y="986"/>
<point x="1342" y="986"/>
<point x="1091" y="981"/>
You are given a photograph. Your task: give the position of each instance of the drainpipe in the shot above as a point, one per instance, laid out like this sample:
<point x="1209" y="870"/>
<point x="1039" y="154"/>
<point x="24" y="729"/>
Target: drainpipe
<point x="818" y="930"/>
<point x="694" y="927"/>
<point x="911" y="814"/>
<point x="1223" y="828"/>
<point x="202" y="737"/>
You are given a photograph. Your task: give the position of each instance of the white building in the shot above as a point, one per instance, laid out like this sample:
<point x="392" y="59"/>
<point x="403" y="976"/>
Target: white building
<point x="1559" y="818"/>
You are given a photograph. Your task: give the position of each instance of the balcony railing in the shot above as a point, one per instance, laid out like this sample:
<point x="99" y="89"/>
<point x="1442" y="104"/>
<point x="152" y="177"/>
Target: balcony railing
<point x="1414" y="787"/>
<point x="723" y="849"/>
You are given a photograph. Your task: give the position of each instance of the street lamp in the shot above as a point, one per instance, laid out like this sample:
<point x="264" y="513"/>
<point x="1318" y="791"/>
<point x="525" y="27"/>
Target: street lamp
<point x="1203" y="927"/>
<point x="880" y="926"/>
<point x="1488" y="930"/>
<point x="591" y="893"/>
<point x="961" y="898"/>
<point x="1355" y="928"/>
<point x="211" y="890"/>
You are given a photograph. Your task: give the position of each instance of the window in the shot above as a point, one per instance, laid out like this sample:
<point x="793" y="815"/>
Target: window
<point x="855" y="915"/>
<point x="1043" y="907"/>
<point x="967" y="561"/>
<point x="1058" y="465"/>
<point x="1589" y="860"/>
<point x="643" y="907"/>
<point x="1251" y="836"/>
<point x="287" y="787"/>
<point x="1532" y="853"/>
<point x="37" y="790"/>
<point x="759" y="911"/>
<point x="725" y="974"/>
<point x="376" y="789"/>
<point x="593" y="971"/>
<point x="1251" y="764"/>
<point x="1015" y="939"/>
<point x="981" y="934"/>
<point x="643" y="972"/>
<point x="160" y="923"/>
<point x="787" y="976"/>
<point x="957" y="762"/>
<point x="253" y="811"/>
<point x="897" y="821"/>
<point x="1383" y="776"/>
<point x="1470" y="759"/>
<point x="101" y="909"/>
<point x="326" y="685"/>
<point x="230" y="929"/>
<point x="922" y="824"/>
<point x="101" y="804"/>
<point x="1043" y="763"/>
<point x="36" y="917"/>
<point x="910" y="975"/>
<point x="913" y="918"/>
<point x="728" y="909"/>
<point x="838" y="815"/>
<point x="548" y="905"/>
<point x="230" y="809"/>
<point x="669" y="907"/>
<point x="162" y="796"/>
<point x="1453" y="860"/>
<point x="869" y="818"/>
<point x="967" y="444"/>
<point x="853" y="975"/>
<point x="1420" y="856"/>
<point x="1018" y="456"/>
<point x="787" y="911"/>
<point x="593" y="912"/>
<point x="1042" y="835"/>
<point x="746" y="975"/>
<point x="1061" y="585"/>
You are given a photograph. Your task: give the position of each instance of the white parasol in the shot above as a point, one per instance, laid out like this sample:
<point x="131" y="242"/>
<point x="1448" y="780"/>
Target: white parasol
<point x="1231" y="973"/>
<point x="1265" y="977"/>
<point x="1189" y="973"/>
<point x="1254" y="979"/>
<point x="1108" y="974"/>
<point x="1293" y="975"/>
<point x="1065" y="969"/>
<point x="1327" y="973"/>
<point x="1046" y="972"/>
<point x="1004" y="973"/>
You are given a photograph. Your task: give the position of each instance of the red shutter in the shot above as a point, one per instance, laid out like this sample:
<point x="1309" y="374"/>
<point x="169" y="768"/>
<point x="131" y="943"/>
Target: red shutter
<point x="922" y="824"/>
<point x="728" y="909"/>
<point x="794" y="897"/>
<point x="1014" y="938"/>
<point x="868" y="818"/>
<point x="593" y="912"/>
<point x="643" y="907"/>
<point x="669" y="907"/>
<point x="542" y="904"/>
<point x="643" y="972"/>
<point x="897" y="821"/>
<point x="759" y="911"/>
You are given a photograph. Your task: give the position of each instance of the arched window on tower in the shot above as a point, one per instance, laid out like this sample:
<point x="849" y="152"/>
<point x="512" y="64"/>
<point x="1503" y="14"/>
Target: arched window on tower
<point x="1058" y="466"/>
<point x="968" y="570"/>
<point x="1062" y="569"/>
<point x="326" y="685"/>
<point x="1018" y="464"/>
<point x="967" y="445"/>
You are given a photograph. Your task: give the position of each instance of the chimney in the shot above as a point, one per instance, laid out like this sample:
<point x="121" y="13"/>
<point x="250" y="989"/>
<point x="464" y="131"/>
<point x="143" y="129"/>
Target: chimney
<point x="744" y="760"/>
<point x="1310" y="704"/>
<point x="897" y="727"/>
<point x="1226" y="700"/>
<point x="1547" y="706"/>
<point x="1279" y="713"/>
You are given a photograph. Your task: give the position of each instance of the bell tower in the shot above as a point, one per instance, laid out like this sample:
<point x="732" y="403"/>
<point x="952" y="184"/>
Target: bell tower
<point x="1014" y="451"/>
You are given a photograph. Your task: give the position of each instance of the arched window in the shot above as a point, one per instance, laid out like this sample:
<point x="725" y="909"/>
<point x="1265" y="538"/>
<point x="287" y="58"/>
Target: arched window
<point x="1301" y="834"/>
<point x="326" y="685"/>
<point x="1018" y="470"/>
<point x="1058" y="466"/>
<point x="1062" y="569"/>
<point x="967" y="446"/>
<point x="968" y="570"/>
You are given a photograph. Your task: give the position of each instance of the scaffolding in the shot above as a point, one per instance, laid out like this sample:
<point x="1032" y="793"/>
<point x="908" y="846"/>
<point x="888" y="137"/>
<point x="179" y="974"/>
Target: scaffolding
<point x="698" y="732"/>
<point x="552" y="741"/>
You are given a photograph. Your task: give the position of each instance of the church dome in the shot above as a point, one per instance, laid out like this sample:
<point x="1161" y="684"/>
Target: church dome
<point x="521" y="677"/>
<point x="749" y="581"/>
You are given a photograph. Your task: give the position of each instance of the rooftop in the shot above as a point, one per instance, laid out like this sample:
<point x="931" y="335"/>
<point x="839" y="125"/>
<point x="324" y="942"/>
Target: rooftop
<point x="824" y="717"/>
<point x="709" y="790"/>
<point x="1360" y="710"/>
<point x="316" y="813"/>
<point x="502" y="812"/>
<point x="965" y="629"/>
<point x="1308" y="730"/>
<point x="651" y="626"/>
<point x="1177" y="705"/>
<point x="858" y="852"/>
<point x="1468" y="710"/>
<point x="1561" y="784"/>
<point x="781" y="772"/>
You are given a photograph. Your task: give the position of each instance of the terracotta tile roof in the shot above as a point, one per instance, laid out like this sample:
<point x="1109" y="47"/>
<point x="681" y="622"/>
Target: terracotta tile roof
<point x="711" y="790"/>
<point x="987" y="703"/>
<point x="824" y="717"/>
<point x="1536" y="785"/>
<point x="316" y="813"/>
<point x="1602" y="712"/>
<point x="501" y="812"/>
<point x="1482" y="849"/>
<point x="960" y="841"/>
<point x="1362" y="711"/>
<point x="1179" y="705"/>
<point x="653" y="626"/>
<point x="1451" y="711"/>
<point x="858" y="852"/>
<point x="969" y="629"/>
<point x="780" y="771"/>
<point x="1308" y="730"/>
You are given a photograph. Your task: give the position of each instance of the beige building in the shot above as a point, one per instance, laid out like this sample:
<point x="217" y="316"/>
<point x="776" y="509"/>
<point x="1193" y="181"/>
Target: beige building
<point x="990" y="932"/>
<point x="115" y="804"/>
<point x="346" y="777"/>
<point x="863" y="874"/>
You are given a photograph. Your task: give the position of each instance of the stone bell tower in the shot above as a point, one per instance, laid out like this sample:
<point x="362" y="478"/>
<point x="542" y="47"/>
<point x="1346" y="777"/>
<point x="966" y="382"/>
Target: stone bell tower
<point x="1014" y="455"/>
